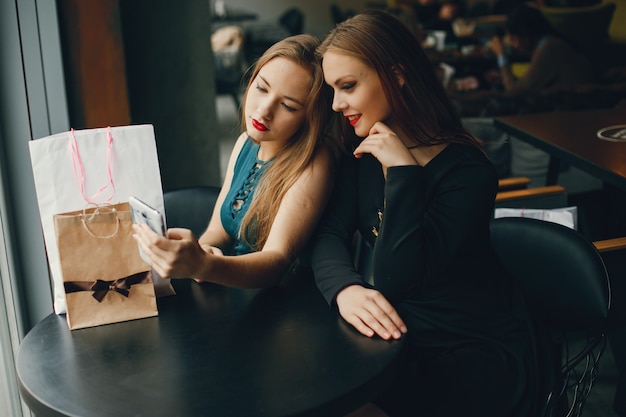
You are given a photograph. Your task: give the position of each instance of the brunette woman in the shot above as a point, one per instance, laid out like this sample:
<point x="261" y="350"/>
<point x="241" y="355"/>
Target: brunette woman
<point x="420" y="191"/>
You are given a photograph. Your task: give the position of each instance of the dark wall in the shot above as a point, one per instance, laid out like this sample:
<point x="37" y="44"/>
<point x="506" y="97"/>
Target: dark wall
<point x="169" y="67"/>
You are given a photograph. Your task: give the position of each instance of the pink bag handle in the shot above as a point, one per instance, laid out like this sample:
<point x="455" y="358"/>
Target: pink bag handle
<point x="79" y="169"/>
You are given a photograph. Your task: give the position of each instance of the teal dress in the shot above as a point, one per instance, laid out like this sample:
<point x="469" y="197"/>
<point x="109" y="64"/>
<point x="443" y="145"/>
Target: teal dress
<point x="247" y="173"/>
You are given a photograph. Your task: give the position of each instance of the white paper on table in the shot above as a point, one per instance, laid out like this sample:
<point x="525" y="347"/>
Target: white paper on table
<point x="567" y="216"/>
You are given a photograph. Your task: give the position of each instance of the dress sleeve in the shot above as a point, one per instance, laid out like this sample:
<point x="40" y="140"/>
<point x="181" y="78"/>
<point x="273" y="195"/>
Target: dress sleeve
<point x="332" y="258"/>
<point x="424" y="230"/>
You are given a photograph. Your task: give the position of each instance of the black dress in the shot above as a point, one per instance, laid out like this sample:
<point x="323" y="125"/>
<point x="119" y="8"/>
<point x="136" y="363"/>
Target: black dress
<point x="433" y="260"/>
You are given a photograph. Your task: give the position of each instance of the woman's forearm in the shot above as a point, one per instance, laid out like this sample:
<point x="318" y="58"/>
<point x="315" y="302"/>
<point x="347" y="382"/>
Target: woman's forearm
<point x="253" y="270"/>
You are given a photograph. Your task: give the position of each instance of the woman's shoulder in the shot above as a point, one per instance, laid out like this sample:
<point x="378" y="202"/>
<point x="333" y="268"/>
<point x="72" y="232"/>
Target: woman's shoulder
<point x="241" y="142"/>
<point x="465" y="167"/>
<point x="318" y="173"/>
<point x="323" y="162"/>
<point x="464" y="151"/>
<point x="244" y="151"/>
<point x="555" y="46"/>
<point x="464" y="158"/>
<point x="245" y="146"/>
<point x="325" y="153"/>
<point x="246" y="143"/>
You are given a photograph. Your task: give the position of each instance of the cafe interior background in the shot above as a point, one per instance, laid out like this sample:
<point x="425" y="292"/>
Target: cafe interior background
<point x="80" y="64"/>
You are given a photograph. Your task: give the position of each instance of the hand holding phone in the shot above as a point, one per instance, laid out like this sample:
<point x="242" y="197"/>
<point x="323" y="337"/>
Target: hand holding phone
<point x="142" y="213"/>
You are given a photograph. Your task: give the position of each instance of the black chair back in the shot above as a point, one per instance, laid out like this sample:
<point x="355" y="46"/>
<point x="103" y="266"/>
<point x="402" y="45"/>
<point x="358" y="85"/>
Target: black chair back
<point x="190" y="207"/>
<point x="566" y="287"/>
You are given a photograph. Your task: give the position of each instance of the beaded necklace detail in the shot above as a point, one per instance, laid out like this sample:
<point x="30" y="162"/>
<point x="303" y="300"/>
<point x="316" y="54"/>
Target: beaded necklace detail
<point x="248" y="186"/>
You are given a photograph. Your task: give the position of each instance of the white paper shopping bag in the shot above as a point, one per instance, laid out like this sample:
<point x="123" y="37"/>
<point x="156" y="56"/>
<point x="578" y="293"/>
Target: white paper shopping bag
<point x="79" y="168"/>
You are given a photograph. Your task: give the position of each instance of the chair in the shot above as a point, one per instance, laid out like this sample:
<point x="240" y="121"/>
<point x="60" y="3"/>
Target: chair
<point x="613" y="252"/>
<point x="546" y="197"/>
<point x="190" y="207"/>
<point x="261" y="34"/>
<point x="495" y="142"/>
<point x="513" y="183"/>
<point x="566" y="286"/>
<point x="588" y="25"/>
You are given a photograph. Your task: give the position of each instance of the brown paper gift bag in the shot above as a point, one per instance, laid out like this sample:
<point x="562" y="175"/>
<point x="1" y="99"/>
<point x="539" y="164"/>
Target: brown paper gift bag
<point x="104" y="277"/>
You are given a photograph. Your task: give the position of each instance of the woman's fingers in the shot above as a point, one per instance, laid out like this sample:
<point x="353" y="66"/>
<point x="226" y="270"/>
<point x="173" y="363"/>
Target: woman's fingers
<point x="384" y="319"/>
<point x="385" y="146"/>
<point x="370" y="313"/>
<point x="175" y="256"/>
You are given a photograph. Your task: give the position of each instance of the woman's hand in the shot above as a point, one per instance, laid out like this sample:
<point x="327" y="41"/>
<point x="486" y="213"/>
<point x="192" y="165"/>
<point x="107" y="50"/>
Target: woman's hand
<point x="385" y="146"/>
<point x="176" y="256"/>
<point x="370" y="312"/>
<point x="213" y="250"/>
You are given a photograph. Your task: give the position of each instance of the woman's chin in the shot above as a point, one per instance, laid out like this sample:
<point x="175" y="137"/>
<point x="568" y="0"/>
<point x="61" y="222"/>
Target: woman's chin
<point x="362" y="133"/>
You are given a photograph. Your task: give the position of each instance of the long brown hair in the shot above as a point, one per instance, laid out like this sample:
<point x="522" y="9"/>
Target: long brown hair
<point x="292" y="160"/>
<point x="420" y="105"/>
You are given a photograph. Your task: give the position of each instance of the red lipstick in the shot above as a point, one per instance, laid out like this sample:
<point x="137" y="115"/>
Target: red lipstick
<point x="352" y="119"/>
<point x="259" y="126"/>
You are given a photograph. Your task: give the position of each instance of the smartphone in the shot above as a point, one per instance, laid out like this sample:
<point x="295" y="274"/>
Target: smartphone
<point x="142" y="213"/>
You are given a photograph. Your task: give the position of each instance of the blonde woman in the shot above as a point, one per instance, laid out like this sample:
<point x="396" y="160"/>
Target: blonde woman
<point x="276" y="183"/>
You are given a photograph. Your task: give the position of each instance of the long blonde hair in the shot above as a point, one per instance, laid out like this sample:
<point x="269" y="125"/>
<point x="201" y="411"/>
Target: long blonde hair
<point x="291" y="161"/>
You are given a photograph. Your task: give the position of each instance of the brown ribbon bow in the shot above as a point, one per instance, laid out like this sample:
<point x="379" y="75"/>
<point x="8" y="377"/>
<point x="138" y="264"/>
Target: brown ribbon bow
<point x="100" y="287"/>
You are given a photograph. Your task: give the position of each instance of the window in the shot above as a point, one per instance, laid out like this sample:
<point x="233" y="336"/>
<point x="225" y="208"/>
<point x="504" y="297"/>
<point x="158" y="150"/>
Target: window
<point x="32" y="105"/>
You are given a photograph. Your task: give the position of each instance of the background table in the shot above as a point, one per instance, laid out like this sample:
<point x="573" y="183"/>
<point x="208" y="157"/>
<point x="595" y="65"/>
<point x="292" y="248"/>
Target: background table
<point x="571" y="137"/>
<point x="213" y="351"/>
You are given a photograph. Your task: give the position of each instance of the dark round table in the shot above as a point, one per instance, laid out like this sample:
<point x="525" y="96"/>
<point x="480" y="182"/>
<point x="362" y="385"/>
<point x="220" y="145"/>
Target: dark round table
<point x="212" y="351"/>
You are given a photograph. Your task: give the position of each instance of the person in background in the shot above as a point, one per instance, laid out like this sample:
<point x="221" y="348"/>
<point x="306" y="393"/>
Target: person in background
<point x="422" y="16"/>
<point x="420" y="191"/>
<point x="554" y="60"/>
<point x="438" y="14"/>
<point x="276" y="184"/>
<point x="555" y="63"/>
